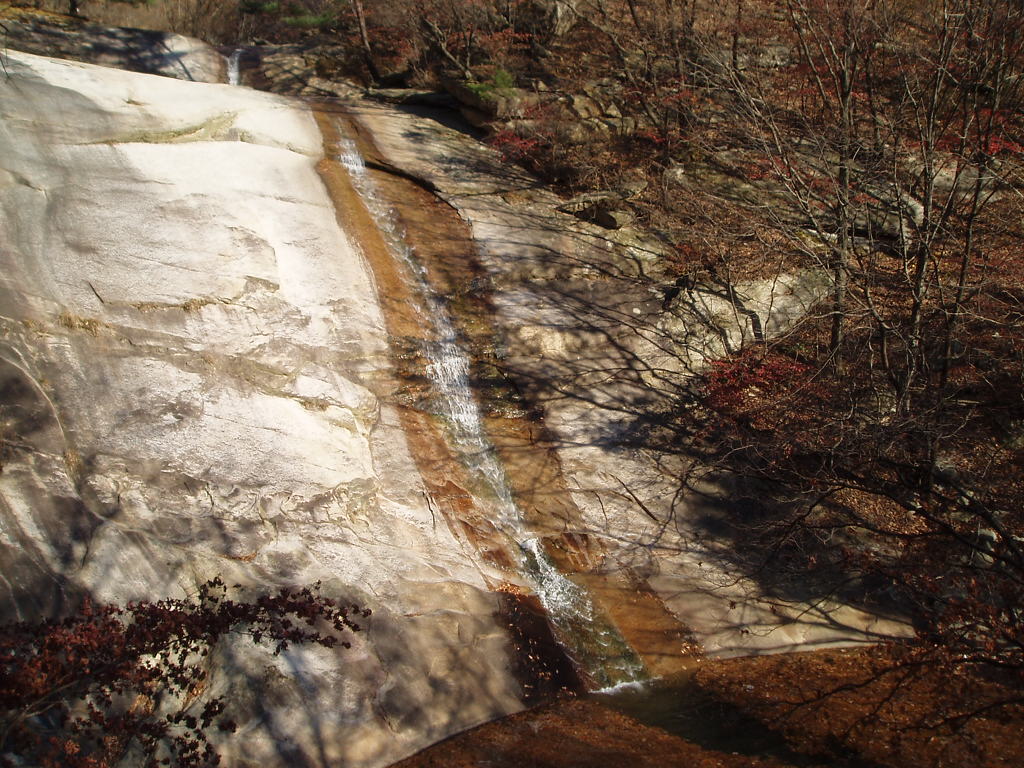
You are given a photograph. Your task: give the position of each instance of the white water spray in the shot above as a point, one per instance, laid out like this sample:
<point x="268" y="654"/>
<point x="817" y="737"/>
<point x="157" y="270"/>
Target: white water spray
<point x="234" y="67"/>
<point x="567" y="604"/>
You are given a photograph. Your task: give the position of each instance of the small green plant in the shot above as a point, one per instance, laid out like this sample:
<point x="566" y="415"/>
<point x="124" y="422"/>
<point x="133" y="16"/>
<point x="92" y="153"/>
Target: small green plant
<point x="310" y="21"/>
<point x="502" y="79"/>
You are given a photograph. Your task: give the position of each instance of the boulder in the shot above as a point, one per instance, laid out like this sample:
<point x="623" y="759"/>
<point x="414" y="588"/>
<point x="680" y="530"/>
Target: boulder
<point x="584" y="107"/>
<point x="413" y="97"/>
<point x="485" y="99"/>
<point x="883" y="213"/>
<point x="613" y="218"/>
<point x="603" y="208"/>
<point x="138" y="50"/>
<point x="552" y="18"/>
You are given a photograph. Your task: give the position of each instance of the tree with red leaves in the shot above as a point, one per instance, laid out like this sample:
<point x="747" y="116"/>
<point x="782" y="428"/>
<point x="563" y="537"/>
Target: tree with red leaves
<point x="108" y="683"/>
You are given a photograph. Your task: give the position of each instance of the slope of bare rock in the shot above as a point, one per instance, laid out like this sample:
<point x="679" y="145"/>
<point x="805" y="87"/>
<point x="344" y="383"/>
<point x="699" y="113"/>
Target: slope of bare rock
<point x="592" y="338"/>
<point x="190" y="354"/>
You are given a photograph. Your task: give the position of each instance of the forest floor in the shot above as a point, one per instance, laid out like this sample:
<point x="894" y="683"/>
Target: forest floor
<point x="574" y="733"/>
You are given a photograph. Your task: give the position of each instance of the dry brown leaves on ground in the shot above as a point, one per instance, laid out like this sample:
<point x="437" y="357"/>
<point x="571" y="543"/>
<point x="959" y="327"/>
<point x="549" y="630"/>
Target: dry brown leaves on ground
<point x="573" y="734"/>
<point x="889" y="709"/>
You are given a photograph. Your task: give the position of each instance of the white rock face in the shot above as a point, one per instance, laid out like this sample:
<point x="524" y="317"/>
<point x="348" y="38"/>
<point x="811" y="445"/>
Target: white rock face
<point x="189" y="346"/>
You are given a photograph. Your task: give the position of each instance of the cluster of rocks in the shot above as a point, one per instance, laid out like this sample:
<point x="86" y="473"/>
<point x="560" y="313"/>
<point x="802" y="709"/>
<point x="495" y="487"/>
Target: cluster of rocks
<point x="574" y="119"/>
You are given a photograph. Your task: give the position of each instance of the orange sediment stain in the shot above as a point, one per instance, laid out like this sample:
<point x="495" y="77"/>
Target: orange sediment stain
<point x="444" y="245"/>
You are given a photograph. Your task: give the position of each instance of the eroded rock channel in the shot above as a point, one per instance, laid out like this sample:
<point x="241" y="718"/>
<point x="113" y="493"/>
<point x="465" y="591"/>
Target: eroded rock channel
<point x="479" y="444"/>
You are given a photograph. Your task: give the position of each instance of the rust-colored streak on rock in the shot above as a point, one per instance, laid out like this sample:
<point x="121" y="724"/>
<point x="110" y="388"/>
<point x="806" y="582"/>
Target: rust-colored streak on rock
<point x="392" y="289"/>
<point x="536" y="476"/>
<point x="441" y="471"/>
<point x="444" y="245"/>
<point x="538" y="662"/>
<point x="446" y="484"/>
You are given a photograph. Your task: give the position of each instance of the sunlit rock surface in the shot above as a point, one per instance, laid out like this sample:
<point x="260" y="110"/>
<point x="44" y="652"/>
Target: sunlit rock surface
<point x="190" y="349"/>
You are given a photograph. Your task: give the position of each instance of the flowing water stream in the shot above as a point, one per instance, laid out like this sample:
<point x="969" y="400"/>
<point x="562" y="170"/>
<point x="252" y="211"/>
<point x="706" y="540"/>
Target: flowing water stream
<point x="234" y="67"/>
<point x="588" y="637"/>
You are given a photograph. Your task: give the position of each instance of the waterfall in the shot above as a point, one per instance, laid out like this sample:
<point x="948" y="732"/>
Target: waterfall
<point x="234" y="70"/>
<point x="591" y="640"/>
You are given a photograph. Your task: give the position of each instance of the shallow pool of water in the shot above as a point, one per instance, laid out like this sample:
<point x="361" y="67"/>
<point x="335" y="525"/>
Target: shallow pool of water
<point x="681" y="707"/>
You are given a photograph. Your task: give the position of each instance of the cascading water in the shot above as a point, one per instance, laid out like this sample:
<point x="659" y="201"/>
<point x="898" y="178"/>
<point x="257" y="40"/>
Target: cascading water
<point x="592" y="641"/>
<point x="234" y="67"/>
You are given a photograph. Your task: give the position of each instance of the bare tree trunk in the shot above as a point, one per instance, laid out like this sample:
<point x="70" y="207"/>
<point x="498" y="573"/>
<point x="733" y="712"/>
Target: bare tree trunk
<point x="365" y="40"/>
<point x="735" y="43"/>
<point x="840" y="269"/>
<point x="437" y="37"/>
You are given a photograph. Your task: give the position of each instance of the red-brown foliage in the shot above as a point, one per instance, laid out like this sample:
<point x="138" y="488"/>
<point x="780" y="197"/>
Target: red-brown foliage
<point x="80" y="691"/>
